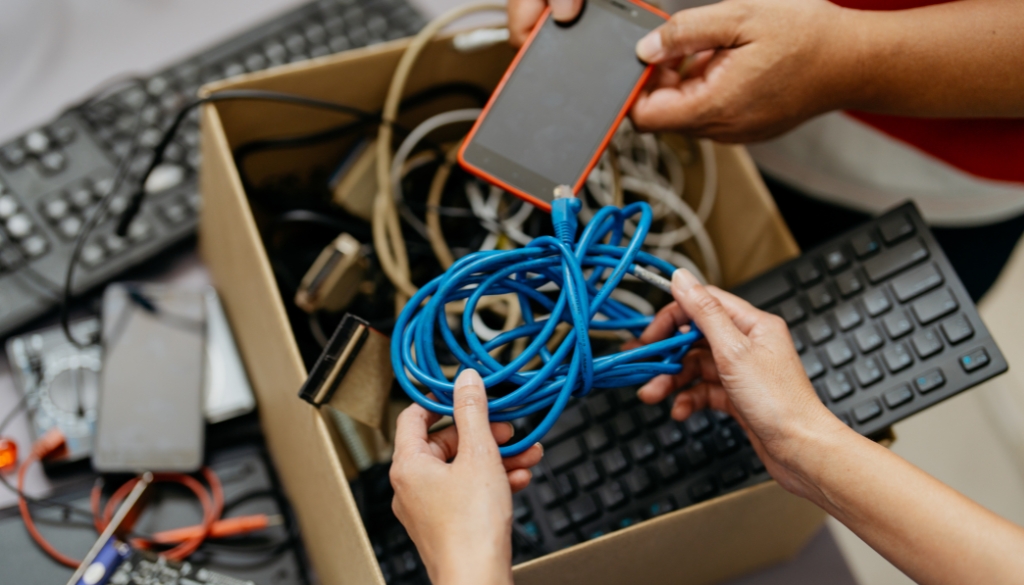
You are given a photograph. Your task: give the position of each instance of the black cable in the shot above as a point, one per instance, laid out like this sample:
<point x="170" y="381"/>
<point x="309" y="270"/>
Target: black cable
<point x="90" y="224"/>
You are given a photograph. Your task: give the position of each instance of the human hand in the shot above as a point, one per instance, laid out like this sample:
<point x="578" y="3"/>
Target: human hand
<point x="747" y="368"/>
<point x="459" y="514"/>
<point x="753" y="68"/>
<point x="524" y="14"/>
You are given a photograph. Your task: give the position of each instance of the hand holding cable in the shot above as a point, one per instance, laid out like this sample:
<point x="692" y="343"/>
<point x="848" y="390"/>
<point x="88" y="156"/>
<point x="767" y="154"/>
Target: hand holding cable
<point x="584" y="302"/>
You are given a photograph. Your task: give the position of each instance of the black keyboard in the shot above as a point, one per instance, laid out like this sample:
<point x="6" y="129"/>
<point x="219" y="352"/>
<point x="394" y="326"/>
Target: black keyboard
<point x="883" y="324"/>
<point x="52" y="177"/>
<point x="884" y="328"/>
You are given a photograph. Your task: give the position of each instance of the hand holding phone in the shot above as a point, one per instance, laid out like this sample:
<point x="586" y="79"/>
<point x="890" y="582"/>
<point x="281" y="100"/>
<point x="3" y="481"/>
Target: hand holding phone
<point x="560" y="101"/>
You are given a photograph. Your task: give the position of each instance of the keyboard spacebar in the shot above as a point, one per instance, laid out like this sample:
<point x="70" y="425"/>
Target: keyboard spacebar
<point x="894" y="260"/>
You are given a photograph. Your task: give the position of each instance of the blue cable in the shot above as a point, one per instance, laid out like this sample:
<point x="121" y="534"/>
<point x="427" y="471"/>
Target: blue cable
<point x="571" y="370"/>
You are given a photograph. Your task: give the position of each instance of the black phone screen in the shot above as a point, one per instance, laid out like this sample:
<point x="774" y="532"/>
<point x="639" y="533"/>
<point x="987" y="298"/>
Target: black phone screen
<point x="562" y="98"/>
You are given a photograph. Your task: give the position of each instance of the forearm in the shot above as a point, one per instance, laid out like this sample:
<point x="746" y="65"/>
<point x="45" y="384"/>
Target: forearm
<point x="928" y="530"/>
<point x="958" y="59"/>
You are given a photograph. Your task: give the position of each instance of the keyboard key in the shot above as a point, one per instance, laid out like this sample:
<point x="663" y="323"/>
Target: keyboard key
<point x="768" y="290"/>
<point x="37" y="142"/>
<point x="669" y="435"/>
<point x="895" y="260"/>
<point x="624" y="425"/>
<point x="587" y="475"/>
<point x="56" y="209"/>
<point x="652" y="414"/>
<point x="642" y="449"/>
<point x="549" y="498"/>
<point x="876" y="302"/>
<point x="599" y="404"/>
<point x="732" y="475"/>
<point x="614" y="462"/>
<point x="702" y="490"/>
<point x="868" y="371"/>
<point x="668" y="467"/>
<point x="8" y="206"/>
<point x="895" y="228"/>
<point x="929" y="381"/>
<point x="662" y="506"/>
<point x="820" y="297"/>
<point x="847" y="317"/>
<point x="839" y="352"/>
<point x="34" y="246"/>
<point x="695" y="454"/>
<point x="53" y="162"/>
<point x="867" y="411"/>
<point x="584" y="510"/>
<point x="897" y="324"/>
<point x="19" y="226"/>
<point x="597" y="439"/>
<point x="638" y="482"/>
<point x="926" y="343"/>
<point x="756" y="465"/>
<point x="819" y="330"/>
<point x="569" y="423"/>
<point x="957" y="329"/>
<point x="836" y="260"/>
<point x="792" y="311"/>
<point x="560" y="523"/>
<point x="625" y="397"/>
<point x="812" y="365"/>
<point x="934" y="305"/>
<point x="868" y="338"/>
<point x="807" y="273"/>
<point x="698" y="423"/>
<point x="69" y="227"/>
<point x="612" y="495"/>
<point x="114" y="243"/>
<point x="975" y="360"/>
<point x="726" y="440"/>
<point x="864" y="244"/>
<point x="898" y="396"/>
<point x="897" y="357"/>
<point x="565" y="454"/>
<point x="14" y="155"/>
<point x="916" y="282"/>
<point x="521" y="510"/>
<point x="63" y="132"/>
<point x="849" y="283"/>
<point x="81" y="198"/>
<point x="798" y="342"/>
<point x="838" y="386"/>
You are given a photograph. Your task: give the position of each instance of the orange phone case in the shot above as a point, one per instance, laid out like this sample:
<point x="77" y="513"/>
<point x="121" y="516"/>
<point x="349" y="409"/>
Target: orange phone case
<point x="604" y="142"/>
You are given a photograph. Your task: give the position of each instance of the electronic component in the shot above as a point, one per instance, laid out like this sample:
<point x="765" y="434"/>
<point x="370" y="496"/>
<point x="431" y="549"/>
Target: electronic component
<point x="561" y="100"/>
<point x="150" y="410"/>
<point x="60" y="380"/>
<point x="354" y="184"/>
<point x="61" y="384"/>
<point x="52" y="178"/>
<point x="334" y="278"/>
<point x="881" y="321"/>
<point x="110" y="549"/>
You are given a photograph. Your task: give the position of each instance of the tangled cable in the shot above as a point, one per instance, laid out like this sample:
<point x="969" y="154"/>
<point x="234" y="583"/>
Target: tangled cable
<point x="583" y="301"/>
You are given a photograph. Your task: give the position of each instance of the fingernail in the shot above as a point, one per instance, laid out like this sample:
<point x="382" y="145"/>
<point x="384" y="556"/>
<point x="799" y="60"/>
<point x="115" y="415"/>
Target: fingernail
<point x="649" y="48"/>
<point x="561" y="10"/>
<point x="683" y="280"/>
<point x="541" y="448"/>
<point x="468" y="378"/>
<point x="511" y="430"/>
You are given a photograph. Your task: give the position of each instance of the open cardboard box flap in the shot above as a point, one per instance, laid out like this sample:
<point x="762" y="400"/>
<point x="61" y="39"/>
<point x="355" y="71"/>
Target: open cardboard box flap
<point x="705" y="543"/>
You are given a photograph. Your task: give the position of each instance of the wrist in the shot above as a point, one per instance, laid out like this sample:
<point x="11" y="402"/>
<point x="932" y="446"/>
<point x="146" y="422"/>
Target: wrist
<point x="851" y="60"/>
<point x="470" y="568"/>
<point x="809" y="448"/>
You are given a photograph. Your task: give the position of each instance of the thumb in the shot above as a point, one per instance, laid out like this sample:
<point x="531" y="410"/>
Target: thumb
<point x="709" y="314"/>
<point x="470" y="413"/>
<point x="690" y="31"/>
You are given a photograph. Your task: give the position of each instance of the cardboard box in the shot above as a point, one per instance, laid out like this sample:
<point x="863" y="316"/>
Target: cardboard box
<point x="705" y="543"/>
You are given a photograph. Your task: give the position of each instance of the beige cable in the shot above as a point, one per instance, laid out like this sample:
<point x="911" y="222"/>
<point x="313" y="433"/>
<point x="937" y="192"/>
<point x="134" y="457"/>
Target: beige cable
<point x="387" y="229"/>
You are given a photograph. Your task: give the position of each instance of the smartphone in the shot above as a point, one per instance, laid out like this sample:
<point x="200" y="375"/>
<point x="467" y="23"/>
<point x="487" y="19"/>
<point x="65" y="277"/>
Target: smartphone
<point x="150" y="414"/>
<point x="561" y="100"/>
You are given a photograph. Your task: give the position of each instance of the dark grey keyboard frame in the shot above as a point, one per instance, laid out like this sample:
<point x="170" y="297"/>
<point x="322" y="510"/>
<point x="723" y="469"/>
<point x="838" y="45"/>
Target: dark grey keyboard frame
<point x="52" y="177"/>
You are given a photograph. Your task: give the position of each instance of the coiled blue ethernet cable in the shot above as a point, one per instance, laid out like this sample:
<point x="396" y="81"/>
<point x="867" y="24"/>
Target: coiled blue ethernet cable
<point x="583" y="302"/>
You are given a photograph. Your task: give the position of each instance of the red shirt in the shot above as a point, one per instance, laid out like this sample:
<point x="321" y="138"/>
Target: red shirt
<point x="986" y="147"/>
